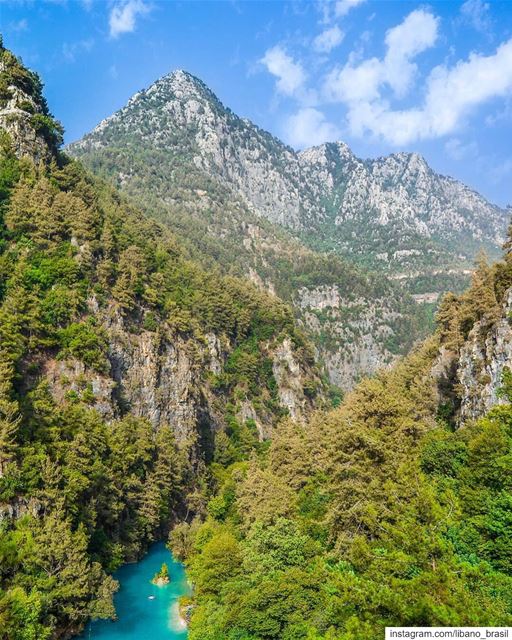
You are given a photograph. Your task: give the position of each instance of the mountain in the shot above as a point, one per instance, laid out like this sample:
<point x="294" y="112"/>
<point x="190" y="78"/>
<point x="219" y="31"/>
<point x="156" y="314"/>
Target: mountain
<point x="419" y="227"/>
<point x="239" y="200"/>
<point x="136" y="387"/>
<point x="393" y="214"/>
<point x="125" y="370"/>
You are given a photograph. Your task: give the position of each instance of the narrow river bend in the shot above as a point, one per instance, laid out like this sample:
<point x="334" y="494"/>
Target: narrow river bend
<point x="139" y="616"/>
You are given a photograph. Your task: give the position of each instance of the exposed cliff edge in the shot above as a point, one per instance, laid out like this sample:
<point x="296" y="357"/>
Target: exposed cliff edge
<point x="483" y="360"/>
<point x="475" y="334"/>
<point x="170" y="379"/>
<point x="24" y="114"/>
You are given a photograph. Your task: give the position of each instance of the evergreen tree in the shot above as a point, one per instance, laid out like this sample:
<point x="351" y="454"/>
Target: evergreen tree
<point x="9" y="419"/>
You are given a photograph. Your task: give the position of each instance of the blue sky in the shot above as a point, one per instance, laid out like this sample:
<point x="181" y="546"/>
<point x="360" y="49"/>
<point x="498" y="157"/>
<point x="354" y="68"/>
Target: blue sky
<point x="383" y="76"/>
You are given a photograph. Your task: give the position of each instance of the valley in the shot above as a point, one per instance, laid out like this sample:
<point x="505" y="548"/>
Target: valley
<point x="214" y="347"/>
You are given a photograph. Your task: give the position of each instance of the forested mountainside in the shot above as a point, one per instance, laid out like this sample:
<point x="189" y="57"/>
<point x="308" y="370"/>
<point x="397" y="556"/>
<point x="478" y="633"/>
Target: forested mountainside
<point x="394" y="509"/>
<point x="394" y="214"/>
<point x="125" y="370"/>
<point x="133" y="383"/>
<point x="221" y="185"/>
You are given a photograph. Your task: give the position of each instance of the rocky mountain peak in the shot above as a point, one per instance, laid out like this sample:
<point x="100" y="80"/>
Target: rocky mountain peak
<point x="392" y="213"/>
<point x="180" y="85"/>
<point x="326" y="152"/>
<point x="181" y="80"/>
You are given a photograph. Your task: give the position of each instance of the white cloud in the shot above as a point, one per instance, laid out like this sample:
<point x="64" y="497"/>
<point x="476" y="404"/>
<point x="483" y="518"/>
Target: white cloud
<point x="123" y="16"/>
<point x="476" y="13"/>
<point x="309" y="127"/>
<point x="328" y="39"/>
<point x="290" y="74"/>
<point x="342" y="7"/>
<point x="417" y="33"/>
<point x="353" y="83"/>
<point x="451" y="94"/>
<point x="331" y="11"/>
<point x="371" y="91"/>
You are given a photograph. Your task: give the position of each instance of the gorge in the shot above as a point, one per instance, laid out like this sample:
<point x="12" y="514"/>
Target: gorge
<point x="158" y="387"/>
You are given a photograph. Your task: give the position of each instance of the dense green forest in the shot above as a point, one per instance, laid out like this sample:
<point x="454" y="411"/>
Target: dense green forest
<point x="379" y="512"/>
<point x="375" y="514"/>
<point x="80" y="494"/>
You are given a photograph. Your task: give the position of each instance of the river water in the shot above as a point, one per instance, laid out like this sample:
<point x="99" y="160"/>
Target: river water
<point x="139" y="616"/>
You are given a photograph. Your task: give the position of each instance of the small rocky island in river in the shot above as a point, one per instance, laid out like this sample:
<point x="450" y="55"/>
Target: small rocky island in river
<point x="161" y="578"/>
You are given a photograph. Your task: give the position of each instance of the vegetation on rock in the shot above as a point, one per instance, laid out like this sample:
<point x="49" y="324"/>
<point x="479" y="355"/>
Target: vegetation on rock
<point x="161" y="577"/>
<point x="380" y="512"/>
<point x="87" y="480"/>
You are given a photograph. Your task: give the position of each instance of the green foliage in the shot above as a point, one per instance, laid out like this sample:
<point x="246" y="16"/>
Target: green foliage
<point x="218" y="560"/>
<point x="373" y="516"/>
<point x="9" y="171"/>
<point x="505" y="390"/>
<point x="74" y="260"/>
<point x="103" y="493"/>
<point x="49" y="128"/>
<point x="161" y="576"/>
<point x="20" y="615"/>
<point x="480" y="303"/>
<point x="84" y="341"/>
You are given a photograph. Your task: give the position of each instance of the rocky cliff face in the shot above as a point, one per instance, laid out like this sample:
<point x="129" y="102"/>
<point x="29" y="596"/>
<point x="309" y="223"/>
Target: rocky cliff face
<point x="481" y="364"/>
<point x="166" y="378"/>
<point x="354" y="336"/>
<point x="24" y="114"/>
<point x="400" y="188"/>
<point x="17" y="123"/>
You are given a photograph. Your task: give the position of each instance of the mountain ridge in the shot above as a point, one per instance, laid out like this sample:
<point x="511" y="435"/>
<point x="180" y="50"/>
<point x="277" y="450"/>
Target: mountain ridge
<point x="182" y="176"/>
<point x="326" y="198"/>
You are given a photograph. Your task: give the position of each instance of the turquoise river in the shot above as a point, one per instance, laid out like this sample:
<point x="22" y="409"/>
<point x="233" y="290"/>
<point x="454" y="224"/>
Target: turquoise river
<point x="145" y="611"/>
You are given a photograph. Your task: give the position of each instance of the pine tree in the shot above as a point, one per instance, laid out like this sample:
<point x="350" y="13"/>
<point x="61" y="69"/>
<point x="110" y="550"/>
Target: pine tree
<point x="479" y="303"/>
<point x="67" y="577"/>
<point x="30" y="211"/>
<point x="448" y="321"/>
<point x="131" y="272"/>
<point x="9" y="418"/>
